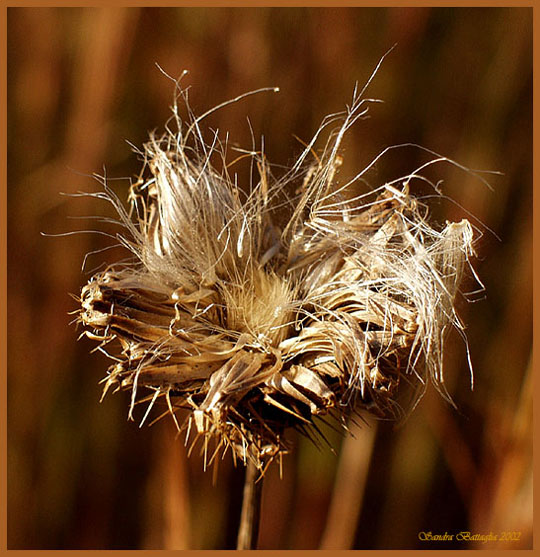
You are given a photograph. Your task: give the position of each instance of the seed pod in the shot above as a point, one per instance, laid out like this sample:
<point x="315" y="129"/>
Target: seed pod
<point x="256" y="327"/>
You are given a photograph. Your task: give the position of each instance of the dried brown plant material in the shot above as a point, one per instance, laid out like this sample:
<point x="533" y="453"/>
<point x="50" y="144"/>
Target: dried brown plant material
<point x="256" y="326"/>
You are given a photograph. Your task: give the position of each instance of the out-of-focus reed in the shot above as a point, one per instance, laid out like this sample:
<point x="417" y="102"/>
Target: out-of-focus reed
<point x="459" y="81"/>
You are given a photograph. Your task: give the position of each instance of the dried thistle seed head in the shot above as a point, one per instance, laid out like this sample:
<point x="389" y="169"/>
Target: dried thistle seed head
<point x="255" y="327"/>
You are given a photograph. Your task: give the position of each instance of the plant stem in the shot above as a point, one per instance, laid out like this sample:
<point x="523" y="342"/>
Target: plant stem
<point x="251" y="509"/>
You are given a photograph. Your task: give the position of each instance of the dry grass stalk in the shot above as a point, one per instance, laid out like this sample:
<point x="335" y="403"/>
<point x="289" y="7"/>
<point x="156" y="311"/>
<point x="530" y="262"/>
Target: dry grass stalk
<point x="248" y="531"/>
<point x="254" y="326"/>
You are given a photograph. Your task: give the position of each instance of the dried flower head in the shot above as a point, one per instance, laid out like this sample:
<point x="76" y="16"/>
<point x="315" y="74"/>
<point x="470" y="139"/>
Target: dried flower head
<point x="256" y="323"/>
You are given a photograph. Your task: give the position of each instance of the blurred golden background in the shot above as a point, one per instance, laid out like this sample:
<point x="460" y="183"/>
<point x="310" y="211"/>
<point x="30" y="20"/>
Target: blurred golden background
<point x="81" y="81"/>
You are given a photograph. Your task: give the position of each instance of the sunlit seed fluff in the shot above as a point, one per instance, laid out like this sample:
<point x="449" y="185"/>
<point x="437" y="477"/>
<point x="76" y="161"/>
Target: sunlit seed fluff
<point x="255" y="327"/>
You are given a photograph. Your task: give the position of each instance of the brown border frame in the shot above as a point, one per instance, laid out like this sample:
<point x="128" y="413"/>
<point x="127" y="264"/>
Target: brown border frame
<point x="225" y="3"/>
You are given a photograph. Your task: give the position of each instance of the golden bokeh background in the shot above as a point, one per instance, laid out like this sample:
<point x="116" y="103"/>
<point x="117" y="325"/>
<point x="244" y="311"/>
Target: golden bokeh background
<point x="82" y="81"/>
